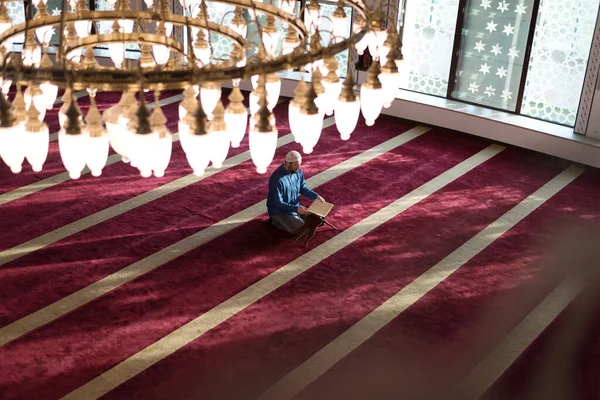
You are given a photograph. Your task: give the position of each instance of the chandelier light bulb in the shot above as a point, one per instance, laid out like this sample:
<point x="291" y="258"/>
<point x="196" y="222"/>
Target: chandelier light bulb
<point x="12" y="147"/>
<point x="6" y="83"/>
<point x="83" y="28"/>
<point x="97" y="142"/>
<point x="236" y="117"/>
<point x="36" y="138"/>
<point x="161" y="54"/>
<point x="288" y="6"/>
<point x="294" y="118"/>
<point x="210" y="94"/>
<point x="70" y="147"/>
<point x="126" y="25"/>
<point x="262" y="147"/>
<point x="347" y="109"/>
<point x="44" y="34"/>
<point x="390" y="82"/>
<point x="312" y="121"/>
<point x="339" y="21"/>
<point x="167" y="64"/>
<point x="219" y="136"/>
<point x="50" y="91"/>
<point x="117" y="53"/>
<point x="371" y="99"/>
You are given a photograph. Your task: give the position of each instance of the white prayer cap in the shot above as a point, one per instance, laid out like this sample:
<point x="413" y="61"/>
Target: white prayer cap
<point x="293" y="156"/>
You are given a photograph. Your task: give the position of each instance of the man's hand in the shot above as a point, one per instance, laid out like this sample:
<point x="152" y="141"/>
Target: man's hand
<point x="320" y="198"/>
<point x="302" y="211"/>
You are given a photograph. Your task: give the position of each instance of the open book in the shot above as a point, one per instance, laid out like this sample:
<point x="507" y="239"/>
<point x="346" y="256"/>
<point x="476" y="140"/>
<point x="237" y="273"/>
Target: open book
<point x="320" y="208"/>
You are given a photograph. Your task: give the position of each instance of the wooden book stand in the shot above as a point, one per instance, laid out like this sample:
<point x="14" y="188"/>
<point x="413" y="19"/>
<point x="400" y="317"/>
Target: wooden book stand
<point x="309" y="229"/>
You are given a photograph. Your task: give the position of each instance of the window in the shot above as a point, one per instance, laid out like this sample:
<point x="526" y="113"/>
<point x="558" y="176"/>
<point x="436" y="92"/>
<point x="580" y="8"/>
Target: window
<point x="428" y="37"/>
<point x="492" y="50"/>
<point x="521" y="56"/>
<point x="559" y="57"/>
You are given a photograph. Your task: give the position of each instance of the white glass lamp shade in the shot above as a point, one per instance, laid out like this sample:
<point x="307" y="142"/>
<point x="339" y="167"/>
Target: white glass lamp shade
<point x="4" y="26"/>
<point x="253" y="102"/>
<point x="236" y="126"/>
<point x="149" y="3"/>
<point x="220" y="147"/>
<point x="168" y="28"/>
<point x="340" y="27"/>
<point x="332" y="93"/>
<point x="75" y="56"/>
<point x="390" y="82"/>
<point x="6" y="85"/>
<point x="12" y="148"/>
<point x="142" y="151"/>
<point x="362" y="44"/>
<point x="125" y="24"/>
<point x="181" y="111"/>
<point x="72" y="151"/>
<point x="83" y="28"/>
<point x="97" y="153"/>
<point x="44" y="34"/>
<point x="36" y="149"/>
<point x="162" y="157"/>
<point x="203" y="55"/>
<point x="384" y="50"/>
<point x="273" y="92"/>
<point x="32" y="56"/>
<point x="209" y="98"/>
<point x="161" y="54"/>
<point x="312" y="125"/>
<point x="371" y="103"/>
<point x="270" y="40"/>
<point x="39" y="102"/>
<point x="117" y="53"/>
<point x="288" y="47"/>
<point x="262" y="148"/>
<point x="117" y="139"/>
<point x="312" y="19"/>
<point x="7" y="44"/>
<point x="376" y="40"/>
<point x="295" y="122"/>
<point x="50" y="91"/>
<point x="240" y="29"/>
<point x="346" y="117"/>
<point x="288" y="6"/>
<point x="198" y="153"/>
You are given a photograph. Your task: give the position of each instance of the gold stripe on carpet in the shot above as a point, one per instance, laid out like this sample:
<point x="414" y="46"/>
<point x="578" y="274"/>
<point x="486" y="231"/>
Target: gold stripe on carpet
<point x="97" y="289"/>
<point x="482" y="377"/>
<point x="132" y="366"/>
<point x="328" y="356"/>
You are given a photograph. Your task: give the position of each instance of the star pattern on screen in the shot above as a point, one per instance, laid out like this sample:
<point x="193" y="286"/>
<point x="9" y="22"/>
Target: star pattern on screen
<point x="494" y="26"/>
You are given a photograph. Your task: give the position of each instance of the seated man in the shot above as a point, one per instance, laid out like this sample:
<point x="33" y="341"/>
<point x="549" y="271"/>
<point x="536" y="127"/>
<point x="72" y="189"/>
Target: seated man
<point x="285" y="187"/>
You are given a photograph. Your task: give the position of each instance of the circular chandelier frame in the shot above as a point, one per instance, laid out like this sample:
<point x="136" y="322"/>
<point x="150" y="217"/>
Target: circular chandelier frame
<point x="166" y="77"/>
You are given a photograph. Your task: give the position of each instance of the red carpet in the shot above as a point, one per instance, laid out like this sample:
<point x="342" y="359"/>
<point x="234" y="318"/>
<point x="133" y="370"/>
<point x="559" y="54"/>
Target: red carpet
<point x="423" y="352"/>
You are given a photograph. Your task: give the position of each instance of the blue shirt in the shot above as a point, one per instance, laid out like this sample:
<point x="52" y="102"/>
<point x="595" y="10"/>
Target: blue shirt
<point x="285" y="188"/>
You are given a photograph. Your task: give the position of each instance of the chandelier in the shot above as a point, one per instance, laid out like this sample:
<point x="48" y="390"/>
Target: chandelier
<point x="177" y="52"/>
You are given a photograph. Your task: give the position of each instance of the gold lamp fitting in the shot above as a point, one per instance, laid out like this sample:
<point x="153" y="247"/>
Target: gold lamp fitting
<point x="73" y="124"/>
<point x="373" y="72"/>
<point x="347" y="95"/>
<point x="236" y="99"/>
<point x="309" y="107"/>
<point x="218" y="121"/>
